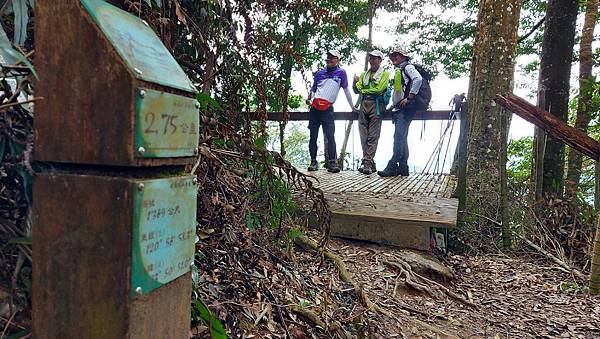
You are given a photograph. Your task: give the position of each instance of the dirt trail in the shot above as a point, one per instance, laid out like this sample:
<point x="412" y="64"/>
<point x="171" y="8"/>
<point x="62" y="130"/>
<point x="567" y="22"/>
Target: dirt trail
<point x="514" y="297"/>
<point x="298" y="292"/>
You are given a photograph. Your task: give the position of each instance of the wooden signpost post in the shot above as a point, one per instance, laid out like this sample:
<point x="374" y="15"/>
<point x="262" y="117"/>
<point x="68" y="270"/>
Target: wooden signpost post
<point x="114" y="211"/>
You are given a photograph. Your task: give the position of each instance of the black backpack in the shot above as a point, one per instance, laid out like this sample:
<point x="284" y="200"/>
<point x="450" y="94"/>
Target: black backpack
<point x="424" y="96"/>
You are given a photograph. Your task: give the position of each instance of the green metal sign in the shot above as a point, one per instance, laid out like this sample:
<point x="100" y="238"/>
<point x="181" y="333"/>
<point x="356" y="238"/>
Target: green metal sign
<point x="167" y="125"/>
<point x="145" y="55"/>
<point x="164" y="232"/>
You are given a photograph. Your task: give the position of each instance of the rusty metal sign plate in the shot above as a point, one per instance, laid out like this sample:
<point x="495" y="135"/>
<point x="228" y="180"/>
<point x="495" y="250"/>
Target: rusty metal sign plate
<point x="138" y="45"/>
<point x="164" y="232"/>
<point x="167" y="125"/>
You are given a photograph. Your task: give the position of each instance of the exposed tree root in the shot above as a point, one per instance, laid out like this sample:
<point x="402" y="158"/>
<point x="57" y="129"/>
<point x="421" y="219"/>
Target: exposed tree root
<point x="310" y="315"/>
<point x="441" y="333"/>
<point x="411" y="279"/>
<point x="344" y="274"/>
<point x="407" y="273"/>
<point x="336" y="327"/>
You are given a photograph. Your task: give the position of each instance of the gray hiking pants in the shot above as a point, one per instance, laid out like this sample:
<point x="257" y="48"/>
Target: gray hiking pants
<point x="369" y="128"/>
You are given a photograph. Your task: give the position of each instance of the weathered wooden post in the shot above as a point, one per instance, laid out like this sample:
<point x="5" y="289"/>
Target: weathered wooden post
<point x="114" y="211"/>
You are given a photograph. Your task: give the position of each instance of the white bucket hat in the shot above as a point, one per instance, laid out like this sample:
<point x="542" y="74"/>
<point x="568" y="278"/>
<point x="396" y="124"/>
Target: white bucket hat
<point x="377" y="53"/>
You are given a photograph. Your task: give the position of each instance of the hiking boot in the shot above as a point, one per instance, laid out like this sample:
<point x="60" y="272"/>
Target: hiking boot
<point x="314" y="165"/>
<point x="403" y="170"/>
<point x="367" y="170"/>
<point x="389" y="172"/>
<point x="372" y="167"/>
<point x="333" y="168"/>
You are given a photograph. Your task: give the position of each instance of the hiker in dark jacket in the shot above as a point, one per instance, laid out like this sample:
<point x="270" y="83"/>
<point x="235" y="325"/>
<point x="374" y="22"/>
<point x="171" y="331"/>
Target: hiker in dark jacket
<point x="407" y="84"/>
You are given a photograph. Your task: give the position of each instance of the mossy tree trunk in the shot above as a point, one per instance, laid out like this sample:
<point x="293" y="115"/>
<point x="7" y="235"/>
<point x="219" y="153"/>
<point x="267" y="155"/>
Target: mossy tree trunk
<point x="492" y="73"/>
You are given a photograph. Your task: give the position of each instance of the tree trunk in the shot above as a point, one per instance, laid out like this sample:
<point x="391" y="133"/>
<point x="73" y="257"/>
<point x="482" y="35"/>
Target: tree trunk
<point x="208" y="78"/>
<point x="465" y="129"/>
<point x="595" y="267"/>
<point x="537" y="164"/>
<point x="555" y="72"/>
<point x="342" y="157"/>
<point x="584" y="102"/>
<point x="597" y="186"/>
<point x="288" y="66"/>
<point x="461" y="166"/>
<point x="491" y="73"/>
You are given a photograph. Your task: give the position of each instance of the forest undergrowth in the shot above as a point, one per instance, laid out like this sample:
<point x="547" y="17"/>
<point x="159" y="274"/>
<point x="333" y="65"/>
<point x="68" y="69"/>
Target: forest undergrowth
<point x="260" y="271"/>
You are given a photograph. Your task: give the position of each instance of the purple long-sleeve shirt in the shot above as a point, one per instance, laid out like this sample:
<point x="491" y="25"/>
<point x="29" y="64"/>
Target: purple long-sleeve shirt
<point x="327" y="84"/>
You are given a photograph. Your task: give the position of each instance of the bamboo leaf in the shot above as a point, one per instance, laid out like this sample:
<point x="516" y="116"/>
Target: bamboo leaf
<point x="21" y="20"/>
<point x="9" y="55"/>
<point x="210" y="320"/>
<point x="157" y="2"/>
<point x="21" y="241"/>
<point x="2" y="147"/>
<point x="8" y="10"/>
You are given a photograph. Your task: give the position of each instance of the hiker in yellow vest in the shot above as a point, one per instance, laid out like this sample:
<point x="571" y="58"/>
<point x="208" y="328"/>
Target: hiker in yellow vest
<point x="371" y="85"/>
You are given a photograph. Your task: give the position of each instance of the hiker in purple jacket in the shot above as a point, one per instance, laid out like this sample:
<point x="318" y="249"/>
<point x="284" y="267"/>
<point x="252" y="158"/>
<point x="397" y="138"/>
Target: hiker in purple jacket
<point x="326" y="86"/>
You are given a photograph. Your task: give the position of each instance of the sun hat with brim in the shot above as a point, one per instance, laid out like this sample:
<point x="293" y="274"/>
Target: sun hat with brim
<point x="334" y="53"/>
<point x="377" y="53"/>
<point x="399" y="50"/>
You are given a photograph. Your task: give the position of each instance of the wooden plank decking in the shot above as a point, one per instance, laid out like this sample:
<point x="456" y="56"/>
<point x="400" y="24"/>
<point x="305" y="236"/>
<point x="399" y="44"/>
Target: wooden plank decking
<point x="395" y="210"/>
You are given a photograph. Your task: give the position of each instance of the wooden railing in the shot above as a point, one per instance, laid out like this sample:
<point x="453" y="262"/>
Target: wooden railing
<point x="303" y="116"/>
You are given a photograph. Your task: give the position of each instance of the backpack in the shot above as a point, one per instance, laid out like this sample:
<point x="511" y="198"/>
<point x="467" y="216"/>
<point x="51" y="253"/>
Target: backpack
<point x="383" y="98"/>
<point x="387" y="95"/>
<point x="424" y="96"/>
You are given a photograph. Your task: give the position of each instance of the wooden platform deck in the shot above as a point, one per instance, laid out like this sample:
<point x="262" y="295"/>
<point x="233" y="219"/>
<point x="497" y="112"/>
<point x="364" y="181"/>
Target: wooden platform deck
<point x="395" y="210"/>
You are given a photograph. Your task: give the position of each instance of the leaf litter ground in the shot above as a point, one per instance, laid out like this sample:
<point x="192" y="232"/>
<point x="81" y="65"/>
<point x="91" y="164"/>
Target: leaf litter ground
<point x="519" y="297"/>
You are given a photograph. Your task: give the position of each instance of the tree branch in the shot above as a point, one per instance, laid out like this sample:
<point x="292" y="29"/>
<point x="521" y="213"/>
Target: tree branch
<point x="456" y="36"/>
<point x="533" y="29"/>
<point x="191" y="66"/>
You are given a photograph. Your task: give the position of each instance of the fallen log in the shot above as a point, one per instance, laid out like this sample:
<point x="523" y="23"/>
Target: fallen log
<point x="556" y="128"/>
